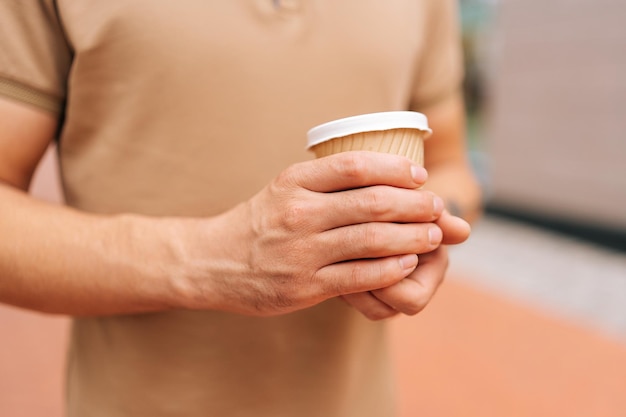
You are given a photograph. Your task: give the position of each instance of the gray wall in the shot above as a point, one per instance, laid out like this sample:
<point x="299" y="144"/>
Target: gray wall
<point x="556" y="122"/>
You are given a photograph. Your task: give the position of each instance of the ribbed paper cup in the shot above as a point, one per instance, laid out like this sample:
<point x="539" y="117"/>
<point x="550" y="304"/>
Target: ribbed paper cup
<point x="399" y="132"/>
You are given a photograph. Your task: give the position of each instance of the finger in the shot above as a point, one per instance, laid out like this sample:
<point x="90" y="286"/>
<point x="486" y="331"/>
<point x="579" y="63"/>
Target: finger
<point x="381" y="204"/>
<point x="363" y="275"/>
<point x="370" y="306"/>
<point x="455" y="229"/>
<point x="412" y="294"/>
<point x="377" y="240"/>
<point x="347" y="170"/>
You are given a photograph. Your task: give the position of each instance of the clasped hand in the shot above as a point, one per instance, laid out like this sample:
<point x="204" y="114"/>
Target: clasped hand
<point x="354" y="225"/>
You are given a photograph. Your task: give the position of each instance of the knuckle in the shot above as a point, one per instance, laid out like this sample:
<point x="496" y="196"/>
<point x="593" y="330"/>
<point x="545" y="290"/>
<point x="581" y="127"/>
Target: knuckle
<point x="286" y="177"/>
<point x="317" y="286"/>
<point x="283" y="177"/>
<point x="327" y="281"/>
<point x="377" y="201"/>
<point x="415" y="306"/>
<point x="352" y="165"/>
<point x="294" y="215"/>
<point x="358" y="275"/>
<point x="371" y="238"/>
<point x="416" y="300"/>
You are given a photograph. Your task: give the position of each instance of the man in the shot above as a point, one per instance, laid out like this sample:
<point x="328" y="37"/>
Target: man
<point x="212" y="268"/>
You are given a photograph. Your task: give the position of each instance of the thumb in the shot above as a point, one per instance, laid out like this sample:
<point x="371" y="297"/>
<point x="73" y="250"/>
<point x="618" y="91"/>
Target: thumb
<point x="455" y="229"/>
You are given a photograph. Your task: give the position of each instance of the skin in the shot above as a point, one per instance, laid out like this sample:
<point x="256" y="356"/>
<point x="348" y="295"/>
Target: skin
<point x="350" y="225"/>
<point x="450" y="176"/>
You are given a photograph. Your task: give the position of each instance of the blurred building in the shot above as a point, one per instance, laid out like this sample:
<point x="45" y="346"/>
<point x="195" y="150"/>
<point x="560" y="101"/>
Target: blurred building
<point x="556" y="111"/>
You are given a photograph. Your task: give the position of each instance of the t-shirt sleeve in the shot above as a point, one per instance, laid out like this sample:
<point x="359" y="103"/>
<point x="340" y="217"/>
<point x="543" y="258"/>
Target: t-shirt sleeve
<point x="34" y="54"/>
<point x="439" y="72"/>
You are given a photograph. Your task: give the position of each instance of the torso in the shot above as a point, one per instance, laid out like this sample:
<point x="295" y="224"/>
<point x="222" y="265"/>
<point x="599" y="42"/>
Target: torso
<point x="188" y="108"/>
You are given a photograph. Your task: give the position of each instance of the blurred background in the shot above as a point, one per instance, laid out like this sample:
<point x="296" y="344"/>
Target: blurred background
<point x="532" y="319"/>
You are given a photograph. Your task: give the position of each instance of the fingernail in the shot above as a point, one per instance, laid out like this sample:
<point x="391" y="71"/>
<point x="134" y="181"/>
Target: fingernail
<point x="437" y="205"/>
<point x="419" y="174"/>
<point x="434" y="235"/>
<point x="408" y="262"/>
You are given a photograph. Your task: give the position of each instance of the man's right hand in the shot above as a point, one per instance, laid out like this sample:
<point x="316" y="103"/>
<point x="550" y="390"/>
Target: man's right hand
<point x="343" y="224"/>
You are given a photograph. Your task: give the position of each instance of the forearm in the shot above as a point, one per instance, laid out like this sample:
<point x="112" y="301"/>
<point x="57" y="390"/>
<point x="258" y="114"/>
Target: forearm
<point x="59" y="260"/>
<point x="456" y="184"/>
<point x="450" y="173"/>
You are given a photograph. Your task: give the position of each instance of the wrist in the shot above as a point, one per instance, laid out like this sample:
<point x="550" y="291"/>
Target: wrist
<point x="148" y="254"/>
<point x="204" y="258"/>
<point x="179" y="263"/>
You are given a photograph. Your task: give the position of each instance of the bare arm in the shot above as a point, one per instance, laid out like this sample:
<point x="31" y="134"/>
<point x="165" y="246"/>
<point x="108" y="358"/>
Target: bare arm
<point x="57" y="259"/>
<point x="323" y="228"/>
<point x="450" y="175"/>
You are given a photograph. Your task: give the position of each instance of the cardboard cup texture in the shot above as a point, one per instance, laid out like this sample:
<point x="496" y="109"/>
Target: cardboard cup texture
<point x="400" y="133"/>
<point x="405" y="142"/>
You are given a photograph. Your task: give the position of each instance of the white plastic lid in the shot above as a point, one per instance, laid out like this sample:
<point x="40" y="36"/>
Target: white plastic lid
<point x="366" y="123"/>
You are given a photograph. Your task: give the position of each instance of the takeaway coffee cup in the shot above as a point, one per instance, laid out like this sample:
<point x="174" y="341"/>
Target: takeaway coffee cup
<point x="396" y="132"/>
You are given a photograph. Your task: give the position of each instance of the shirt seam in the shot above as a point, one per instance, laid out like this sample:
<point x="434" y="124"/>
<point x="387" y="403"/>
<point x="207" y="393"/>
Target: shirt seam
<point x="19" y="91"/>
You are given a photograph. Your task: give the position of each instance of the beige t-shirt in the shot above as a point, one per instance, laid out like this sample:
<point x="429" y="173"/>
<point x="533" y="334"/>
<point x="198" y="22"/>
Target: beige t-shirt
<point x="188" y="108"/>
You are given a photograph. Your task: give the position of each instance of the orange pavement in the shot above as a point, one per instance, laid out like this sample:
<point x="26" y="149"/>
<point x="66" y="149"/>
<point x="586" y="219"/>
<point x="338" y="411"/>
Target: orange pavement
<point x="468" y="354"/>
<point x="473" y="354"/>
